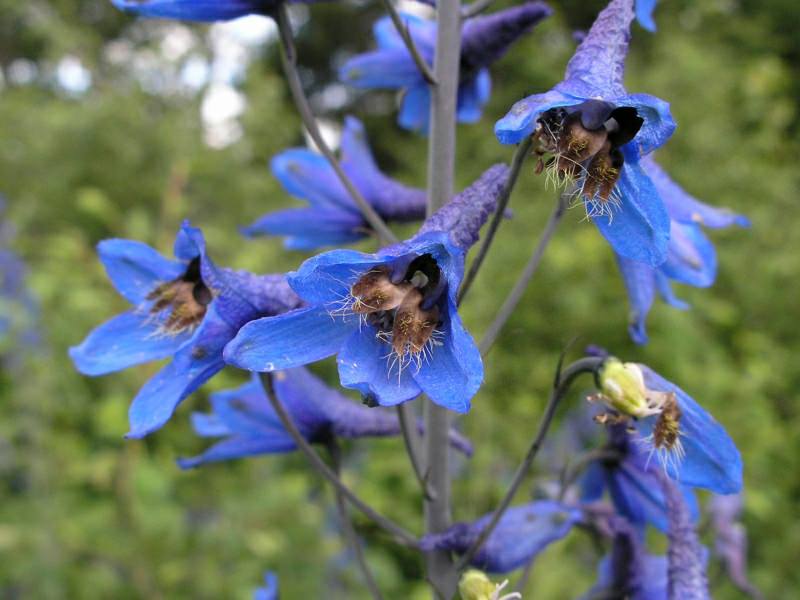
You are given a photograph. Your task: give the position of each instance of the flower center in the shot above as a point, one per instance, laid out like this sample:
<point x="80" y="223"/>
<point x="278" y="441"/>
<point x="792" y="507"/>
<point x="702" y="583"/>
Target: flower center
<point x="402" y="307"/>
<point x="580" y="146"/>
<point x="186" y="299"/>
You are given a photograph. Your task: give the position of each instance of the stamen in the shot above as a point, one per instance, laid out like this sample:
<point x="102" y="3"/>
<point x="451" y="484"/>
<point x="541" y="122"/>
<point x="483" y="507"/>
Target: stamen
<point x="186" y="298"/>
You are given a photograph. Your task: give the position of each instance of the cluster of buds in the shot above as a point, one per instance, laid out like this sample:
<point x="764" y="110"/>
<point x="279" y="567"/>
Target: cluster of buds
<point x="582" y="145"/>
<point x="186" y="298"/>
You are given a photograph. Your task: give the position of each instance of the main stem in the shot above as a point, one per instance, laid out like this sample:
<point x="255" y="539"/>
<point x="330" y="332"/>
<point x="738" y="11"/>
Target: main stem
<point x="441" y="165"/>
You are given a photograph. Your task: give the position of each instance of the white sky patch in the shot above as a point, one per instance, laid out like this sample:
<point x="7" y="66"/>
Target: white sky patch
<point x="72" y="76"/>
<point x="222" y="106"/>
<point x="22" y="71"/>
<point x="178" y="40"/>
<point x="195" y="72"/>
<point x="331" y="133"/>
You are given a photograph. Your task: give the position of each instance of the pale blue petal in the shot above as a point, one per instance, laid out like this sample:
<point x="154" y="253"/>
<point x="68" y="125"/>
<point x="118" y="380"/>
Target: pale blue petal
<point x="240" y="447"/>
<point x="383" y="69"/>
<point x="415" y="108"/>
<point x="309" y="176"/>
<point x="644" y="14"/>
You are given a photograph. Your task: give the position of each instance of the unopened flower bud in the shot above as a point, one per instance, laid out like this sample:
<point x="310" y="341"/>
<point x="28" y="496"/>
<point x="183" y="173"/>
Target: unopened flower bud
<point x="622" y="386"/>
<point x="475" y="585"/>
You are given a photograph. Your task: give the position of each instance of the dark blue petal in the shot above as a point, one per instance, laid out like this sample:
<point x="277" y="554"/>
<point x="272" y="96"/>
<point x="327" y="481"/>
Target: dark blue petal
<point x="383" y="69"/>
<point x="240" y="447"/>
<point x="644" y="14"/>
<point x="195" y="10"/>
<point x="195" y="363"/>
<point x="640" y="283"/>
<point x="326" y="278"/>
<point x="135" y="268"/>
<point x="639" y="229"/>
<point x="593" y="483"/>
<point x="309" y="176"/>
<point x="415" y="108"/>
<point x="454" y="371"/>
<point x="289" y="340"/>
<point x="364" y="365"/>
<point x="712" y="460"/>
<point x="128" y="339"/>
<point x="520" y="121"/>
<point x="308" y="228"/>
<point x="692" y="258"/>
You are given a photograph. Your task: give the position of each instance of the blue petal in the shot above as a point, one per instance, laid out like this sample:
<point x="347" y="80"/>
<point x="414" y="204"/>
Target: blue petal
<point x="454" y="372"/>
<point x="308" y="229"/>
<point x="364" y="365"/>
<point x="209" y="425"/>
<point x="644" y="14"/>
<point x="240" y="447"/>
<point x="270" y="591"/>
<point x="658" y="122"/>
<point x="520" y="121"/>
<point x="195" y="363"/>
<point x="189" y="243"/>
<point x="639" y="281"/>
<point x="692" y="258"/>
<point x="135" y="268"/>
<point x="383" y="69"/>
<point x="326" y="278"/>
<point x="289" y="340"/>
<point x="193" y="10"/>
<point x="472" y="95"/>
<point x="593" y="483"/>
<point x="712" y="460"/>
<point x="422" y="31"/>
<point x="639" y="230"/>
<point x="665" y="291"/>
<point x="415" y="108"/>
<point x="309" y="176"/>
<point x="128" y="339"/>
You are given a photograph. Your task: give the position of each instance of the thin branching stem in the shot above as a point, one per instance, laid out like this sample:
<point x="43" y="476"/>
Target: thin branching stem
<point x="405" y="34"/>
<point x="475" y="8"/>
<point x="289" y="61"/>
<point x="399" y="533"/>
<point x="347" y="525"/>
<point x="573" y="470"/>
<point x="510" y="303"/>
<point x="413" y="443"/>
<point x="563" y="382"/>
<point x="520" y="155"/>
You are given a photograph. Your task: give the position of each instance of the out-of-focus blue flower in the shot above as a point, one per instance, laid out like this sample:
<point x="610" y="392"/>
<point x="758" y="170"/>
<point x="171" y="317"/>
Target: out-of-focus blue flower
<point x="332" y="217"/>
<point x="644" y="14"/>
<point x="594" y="134"/>
<point x="686" y="557"/>
<point x="629" y="571"/>
<point x="250" y="426"/>
<point x="730" y="541"/>
<point x="201" y="10"/>
<point x="484" y="40"/>
<point x="691" y="446"/>
<point x="691" y="257"/>
<point x="631" y="482"/>
<point x="270" y="589"/>
<point x="187" y="309"/>
<point x="520" y="535"/>
<point x="391" y="317"/>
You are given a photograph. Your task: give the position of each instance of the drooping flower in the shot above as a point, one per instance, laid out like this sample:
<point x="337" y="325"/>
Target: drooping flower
<point x="629" y="477"/>
<point x="270" y="589"/>
<point x="187" y="309"/>
<point x="246" y="420"/>
<point x="691" y="256"/>
<point x="332" y="217"/>
<point x="629" y="571"/>
<point x="691" y="446"/>
<point x="520" y="535"/>
<point x="590" y="134"/>
<point x="201" y="10"/>
<point x="686" y="557"/>
<point x="391" y="316"/>
<point x="484" y="40"/>
<point x="730" y="541"/>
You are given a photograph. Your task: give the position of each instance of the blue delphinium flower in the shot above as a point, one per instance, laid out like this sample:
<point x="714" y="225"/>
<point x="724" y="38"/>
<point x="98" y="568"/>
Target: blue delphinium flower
<point x="332" y="217"/>
<point x="270" y="589"/>
<point x="631" y="483"/>
<point x="594" y="134"/>
<point x="686" y="557"/>
<point x="484" y="40"/>
<point x="201" y="10"/>
<point x="691" y="257"/>
<point x="520" y="535"/>
<point x="629" y="571"/>
<point x="250" y="426"/>
<point x="187" y="309"/>
<point x="391" y="317"/>
<point x="691" y="446"/>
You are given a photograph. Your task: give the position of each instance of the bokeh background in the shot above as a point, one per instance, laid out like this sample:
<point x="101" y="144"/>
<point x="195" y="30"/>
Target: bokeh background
<point x="111" y="127"/>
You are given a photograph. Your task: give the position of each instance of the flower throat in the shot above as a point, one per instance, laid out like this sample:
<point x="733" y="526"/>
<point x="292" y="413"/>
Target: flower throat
<point x="187" y="298"/>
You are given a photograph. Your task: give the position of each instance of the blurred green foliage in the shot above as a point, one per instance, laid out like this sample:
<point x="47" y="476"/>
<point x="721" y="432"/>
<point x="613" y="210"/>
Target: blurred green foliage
<point x="85" y="514"/>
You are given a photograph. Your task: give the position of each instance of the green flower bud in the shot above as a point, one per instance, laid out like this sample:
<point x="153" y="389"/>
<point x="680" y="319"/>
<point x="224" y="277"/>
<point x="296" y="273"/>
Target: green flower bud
<point x="622" y="386"/>
<point x="475" y="585"/>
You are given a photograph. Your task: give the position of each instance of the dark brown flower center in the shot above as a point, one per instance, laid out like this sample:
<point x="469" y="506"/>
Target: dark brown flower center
<point x="186" y="299"/>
